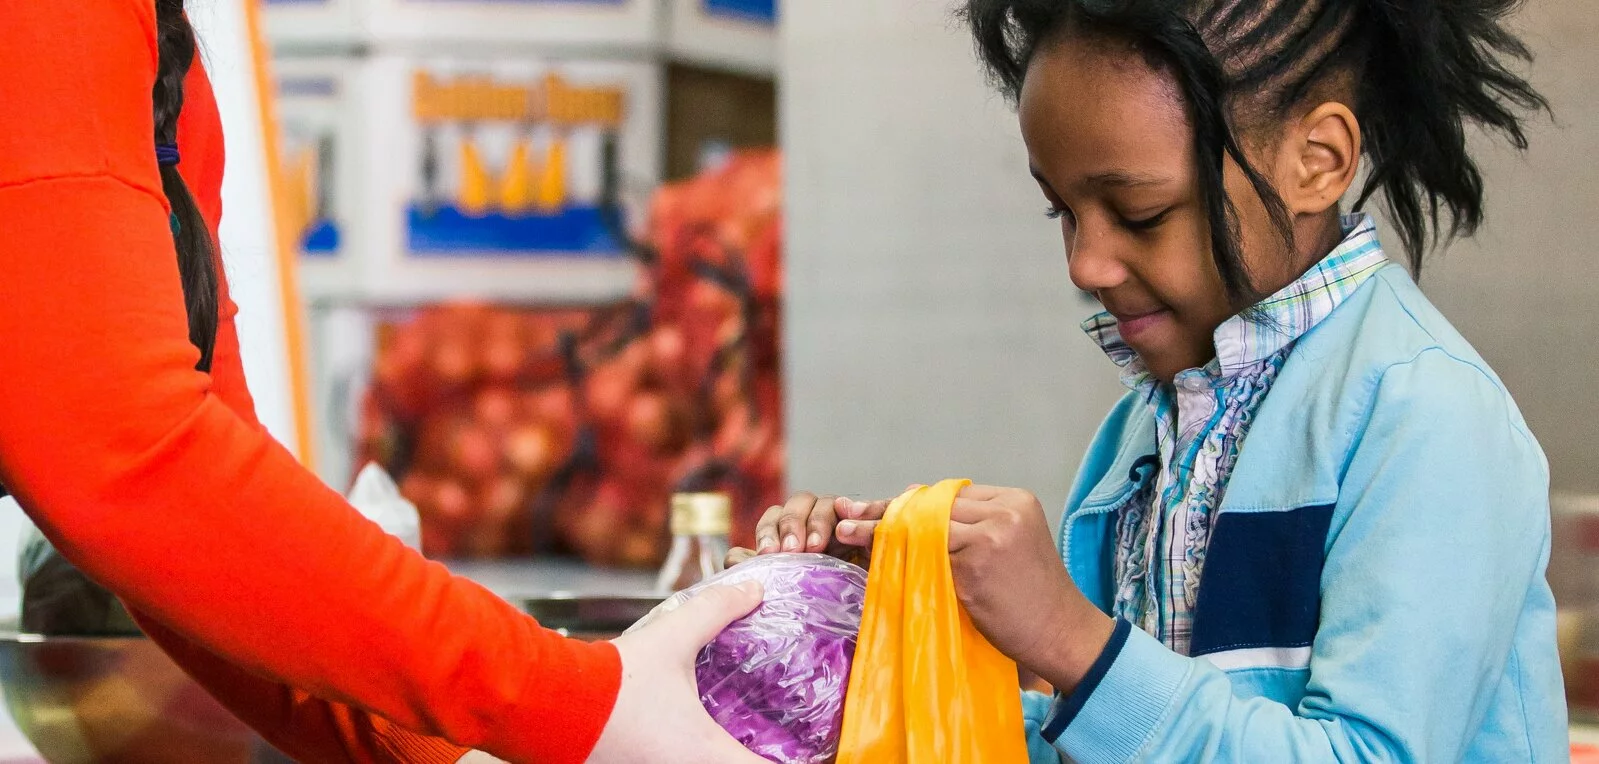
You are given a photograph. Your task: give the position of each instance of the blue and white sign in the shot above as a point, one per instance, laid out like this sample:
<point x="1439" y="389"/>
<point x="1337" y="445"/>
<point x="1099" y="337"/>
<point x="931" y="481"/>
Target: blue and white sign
<point x="738" y="35"/>
<point x="760" y="11"/>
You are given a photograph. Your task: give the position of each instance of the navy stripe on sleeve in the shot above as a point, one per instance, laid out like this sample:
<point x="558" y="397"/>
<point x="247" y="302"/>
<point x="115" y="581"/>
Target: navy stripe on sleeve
<point x="1067" y="707"/>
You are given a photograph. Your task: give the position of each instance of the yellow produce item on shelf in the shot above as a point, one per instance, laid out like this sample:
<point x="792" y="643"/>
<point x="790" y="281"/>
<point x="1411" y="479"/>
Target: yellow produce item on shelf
<point x="516" y="185"/>
<point x="925" y="685"/>
<point x="476" y="195"/>
<point x="551" y="194"/>
<point x="299" y="189"/>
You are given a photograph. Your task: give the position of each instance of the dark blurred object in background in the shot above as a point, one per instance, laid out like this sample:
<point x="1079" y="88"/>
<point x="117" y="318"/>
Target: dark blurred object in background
<point x="1574" y="576"/>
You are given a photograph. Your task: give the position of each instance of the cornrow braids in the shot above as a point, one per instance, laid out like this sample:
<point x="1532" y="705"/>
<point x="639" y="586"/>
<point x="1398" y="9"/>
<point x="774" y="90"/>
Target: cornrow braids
<point x="1422" y="71"/>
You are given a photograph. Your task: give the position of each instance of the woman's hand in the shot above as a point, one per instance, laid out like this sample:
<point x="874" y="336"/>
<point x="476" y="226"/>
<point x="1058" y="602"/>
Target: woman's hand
<point x="1011" y="581"/>
<point x="658" y="718"/>
<point x="835" y="525"/>
<point x="478" y="757"/>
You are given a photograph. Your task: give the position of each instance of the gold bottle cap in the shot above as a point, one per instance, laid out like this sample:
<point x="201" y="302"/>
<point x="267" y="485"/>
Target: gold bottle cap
<point x="702" y="514"/>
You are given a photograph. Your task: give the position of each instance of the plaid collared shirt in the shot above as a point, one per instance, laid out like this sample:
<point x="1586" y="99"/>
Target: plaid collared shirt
<point x="1202" y="418"/>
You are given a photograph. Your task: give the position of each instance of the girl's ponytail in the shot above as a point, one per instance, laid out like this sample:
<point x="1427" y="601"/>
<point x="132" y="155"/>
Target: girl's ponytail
<point x="1431" y="69"/>
<point x="196" y="252"/>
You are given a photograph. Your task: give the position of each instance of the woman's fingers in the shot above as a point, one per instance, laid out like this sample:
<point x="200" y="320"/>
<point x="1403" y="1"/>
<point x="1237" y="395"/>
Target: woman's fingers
<point x="479" y="757"/>
<point x="737" y="555"/>
<point x="698" y="621"/>
<point x="658" y="716"/>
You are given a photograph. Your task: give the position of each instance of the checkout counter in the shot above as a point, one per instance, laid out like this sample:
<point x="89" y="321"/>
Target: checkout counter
<point x="619" y="596"/>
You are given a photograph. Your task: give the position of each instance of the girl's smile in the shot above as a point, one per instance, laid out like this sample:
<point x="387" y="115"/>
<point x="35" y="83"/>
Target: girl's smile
<point x="1112" y="148"/>
<point x="1136" y="326"/>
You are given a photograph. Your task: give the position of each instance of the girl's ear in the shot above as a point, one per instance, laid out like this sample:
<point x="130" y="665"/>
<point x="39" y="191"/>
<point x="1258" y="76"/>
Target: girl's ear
<point x="1323" y="152"/>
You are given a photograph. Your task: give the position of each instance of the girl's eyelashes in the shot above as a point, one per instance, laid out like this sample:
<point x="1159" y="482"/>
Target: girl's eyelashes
<point x="1057" y="212"/>
<point x="1145" y="224"/>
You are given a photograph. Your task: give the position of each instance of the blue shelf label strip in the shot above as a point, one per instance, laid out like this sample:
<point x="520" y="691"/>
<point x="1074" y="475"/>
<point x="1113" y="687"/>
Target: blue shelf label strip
<point x="321" y="239"/>
<point x="447" y="232"/>
<point x="762" y="11"/>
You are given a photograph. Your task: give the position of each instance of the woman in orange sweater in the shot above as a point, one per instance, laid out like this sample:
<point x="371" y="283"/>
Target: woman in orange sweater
<point x="127" y="434"/>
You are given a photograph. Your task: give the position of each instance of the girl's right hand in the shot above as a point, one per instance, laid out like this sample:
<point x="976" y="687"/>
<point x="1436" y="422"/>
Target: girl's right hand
<point x="835" y="525"/>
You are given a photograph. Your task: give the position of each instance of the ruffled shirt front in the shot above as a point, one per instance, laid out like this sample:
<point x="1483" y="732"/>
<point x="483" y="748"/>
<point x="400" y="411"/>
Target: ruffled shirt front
<point x="1202" y="418"/>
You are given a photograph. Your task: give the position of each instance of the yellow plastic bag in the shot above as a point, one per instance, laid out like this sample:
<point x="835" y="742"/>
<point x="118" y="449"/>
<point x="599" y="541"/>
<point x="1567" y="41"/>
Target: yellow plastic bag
<point x="925" y="686"/>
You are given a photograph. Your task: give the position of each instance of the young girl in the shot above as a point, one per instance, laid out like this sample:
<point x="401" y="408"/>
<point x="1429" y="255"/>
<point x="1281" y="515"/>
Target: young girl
<point x="1316" y="528"/>
<point x="128" y="435"/>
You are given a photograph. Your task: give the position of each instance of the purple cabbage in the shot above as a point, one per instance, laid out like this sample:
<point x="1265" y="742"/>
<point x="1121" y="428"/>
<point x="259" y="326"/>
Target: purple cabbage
<point x="775" y="679"/>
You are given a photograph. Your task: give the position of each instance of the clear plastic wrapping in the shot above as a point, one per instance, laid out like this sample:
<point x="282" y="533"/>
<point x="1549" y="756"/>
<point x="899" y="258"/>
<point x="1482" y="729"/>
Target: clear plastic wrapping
<point x="776" y="678"/>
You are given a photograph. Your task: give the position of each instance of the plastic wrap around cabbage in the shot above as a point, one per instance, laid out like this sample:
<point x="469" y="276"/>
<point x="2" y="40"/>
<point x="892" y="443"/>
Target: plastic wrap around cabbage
<point x="775" y="679"/>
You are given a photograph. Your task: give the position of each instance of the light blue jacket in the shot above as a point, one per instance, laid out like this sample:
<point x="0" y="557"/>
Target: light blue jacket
<point x="1374" y="587"/>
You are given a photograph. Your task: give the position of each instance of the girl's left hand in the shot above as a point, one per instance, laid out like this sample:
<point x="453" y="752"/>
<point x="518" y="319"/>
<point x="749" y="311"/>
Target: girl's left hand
<point x="829" y="524"/>
<point x="1012" y="582"/>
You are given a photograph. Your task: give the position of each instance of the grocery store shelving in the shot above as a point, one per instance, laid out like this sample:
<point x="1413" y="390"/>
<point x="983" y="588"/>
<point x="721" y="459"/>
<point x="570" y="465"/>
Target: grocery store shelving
<point x="542" y="281"/>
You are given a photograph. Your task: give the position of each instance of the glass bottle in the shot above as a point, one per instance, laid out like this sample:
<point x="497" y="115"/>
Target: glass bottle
<point x="701" y="523"/>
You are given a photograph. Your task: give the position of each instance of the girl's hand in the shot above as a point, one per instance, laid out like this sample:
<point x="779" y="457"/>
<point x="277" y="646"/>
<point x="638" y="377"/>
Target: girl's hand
<point x="835" y="525"/>
<point x="658" y="718"/>
<point x="1011" y="581"/>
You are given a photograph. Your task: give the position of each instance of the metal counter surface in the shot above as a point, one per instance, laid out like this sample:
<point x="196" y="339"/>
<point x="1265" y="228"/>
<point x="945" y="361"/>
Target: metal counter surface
<point x="513" y="580"/>
<point x="517" y="579"/>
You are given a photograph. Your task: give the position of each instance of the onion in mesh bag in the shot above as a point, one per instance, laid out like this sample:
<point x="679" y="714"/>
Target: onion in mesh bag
<point x="775" y="679"/>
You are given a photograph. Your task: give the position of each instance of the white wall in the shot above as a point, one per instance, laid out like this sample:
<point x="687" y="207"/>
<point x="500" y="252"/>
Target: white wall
<point x="1526" y="290"/>
<point x="931" y="325"/>
<point x="248" y="234"/>
<point x="931" y="328"/>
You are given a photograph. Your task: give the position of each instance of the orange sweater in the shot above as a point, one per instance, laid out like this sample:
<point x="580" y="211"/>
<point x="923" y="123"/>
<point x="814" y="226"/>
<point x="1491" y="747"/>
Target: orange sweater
<point x="157" y="480"/>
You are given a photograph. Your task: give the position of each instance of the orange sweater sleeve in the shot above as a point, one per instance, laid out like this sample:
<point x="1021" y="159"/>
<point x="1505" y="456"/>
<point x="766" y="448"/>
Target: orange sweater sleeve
<point x="147" y="481"/>
<point x="305" y="727"/>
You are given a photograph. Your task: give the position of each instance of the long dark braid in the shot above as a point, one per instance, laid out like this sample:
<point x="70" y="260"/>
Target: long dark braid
<point x="57" y="598"/>
<point x="190" y="236"/>
<point x="196" y="251"/>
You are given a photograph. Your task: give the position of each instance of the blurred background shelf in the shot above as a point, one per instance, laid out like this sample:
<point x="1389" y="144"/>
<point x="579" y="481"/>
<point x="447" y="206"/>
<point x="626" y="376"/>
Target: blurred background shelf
<point x="516" y="580"/>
